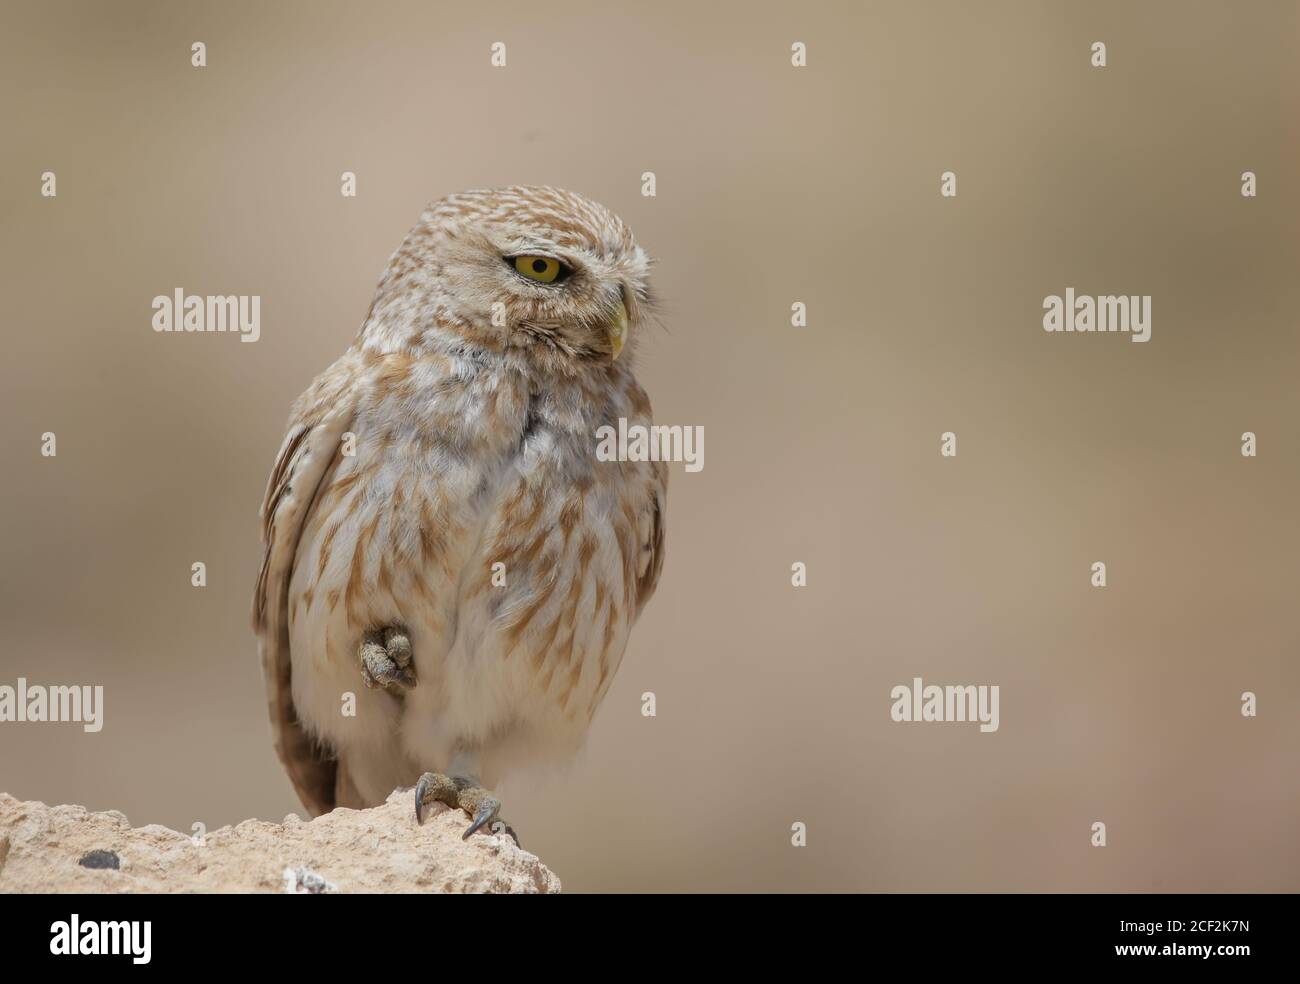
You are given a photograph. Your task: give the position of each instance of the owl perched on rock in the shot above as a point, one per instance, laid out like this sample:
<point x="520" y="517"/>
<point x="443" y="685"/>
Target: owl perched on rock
<point x="437" y="525"/>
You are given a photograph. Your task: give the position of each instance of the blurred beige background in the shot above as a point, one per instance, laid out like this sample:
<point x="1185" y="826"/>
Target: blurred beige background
<point x="774" y="185"/>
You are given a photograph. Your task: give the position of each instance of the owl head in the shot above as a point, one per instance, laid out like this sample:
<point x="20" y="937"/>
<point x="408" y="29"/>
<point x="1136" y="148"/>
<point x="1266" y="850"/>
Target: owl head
<point x="539" y="272"/>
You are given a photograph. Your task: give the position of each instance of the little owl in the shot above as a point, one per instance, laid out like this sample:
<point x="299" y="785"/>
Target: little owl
<point x="437" y="525"/>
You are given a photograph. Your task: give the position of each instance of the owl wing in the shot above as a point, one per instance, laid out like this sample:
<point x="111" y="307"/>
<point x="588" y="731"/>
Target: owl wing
<point x="309" y="453"/>
<point x="651" y="530"/>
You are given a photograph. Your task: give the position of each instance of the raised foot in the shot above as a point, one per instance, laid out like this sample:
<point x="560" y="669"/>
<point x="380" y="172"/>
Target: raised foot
<point x="463" y="793"/>
<point x="386" y="660"/>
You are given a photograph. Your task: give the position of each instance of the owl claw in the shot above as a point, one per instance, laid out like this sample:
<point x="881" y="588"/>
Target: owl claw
<point x="386" y="660"/>
<point x="421" y="789"/>
<point x="462" y="793"/>
<point x="434" y="787"/>
<point x="487" y="811"/>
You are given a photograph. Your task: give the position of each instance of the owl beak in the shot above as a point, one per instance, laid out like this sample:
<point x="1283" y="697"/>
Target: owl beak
<point x="618" y="328"/>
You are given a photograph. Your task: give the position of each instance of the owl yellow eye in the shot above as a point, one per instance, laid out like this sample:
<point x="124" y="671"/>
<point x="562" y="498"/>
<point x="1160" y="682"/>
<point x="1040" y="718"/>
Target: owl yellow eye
<point x="543" y="269"/>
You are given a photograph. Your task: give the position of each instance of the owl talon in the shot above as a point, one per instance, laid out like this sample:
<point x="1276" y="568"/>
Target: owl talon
<point x="485" y="812"/>
<point x="386" y="660"/>
<point x="460" y="792"/>
<point x="435" y="787"/>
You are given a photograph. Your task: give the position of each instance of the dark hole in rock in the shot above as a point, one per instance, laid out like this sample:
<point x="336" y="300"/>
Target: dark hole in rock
<point x="100" y="859"/>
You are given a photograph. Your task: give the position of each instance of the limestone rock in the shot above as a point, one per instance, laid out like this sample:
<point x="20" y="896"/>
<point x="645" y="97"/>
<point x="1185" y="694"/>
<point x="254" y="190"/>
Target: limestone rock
<point x="69" y="849"/>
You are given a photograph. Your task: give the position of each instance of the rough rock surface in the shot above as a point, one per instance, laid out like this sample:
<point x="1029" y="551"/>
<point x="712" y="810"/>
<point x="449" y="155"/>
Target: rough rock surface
<point x="69" y="849"/>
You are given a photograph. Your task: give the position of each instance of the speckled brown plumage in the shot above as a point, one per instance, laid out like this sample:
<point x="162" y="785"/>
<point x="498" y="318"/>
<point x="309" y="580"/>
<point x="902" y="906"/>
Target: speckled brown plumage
<point x="474" y="446"/>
